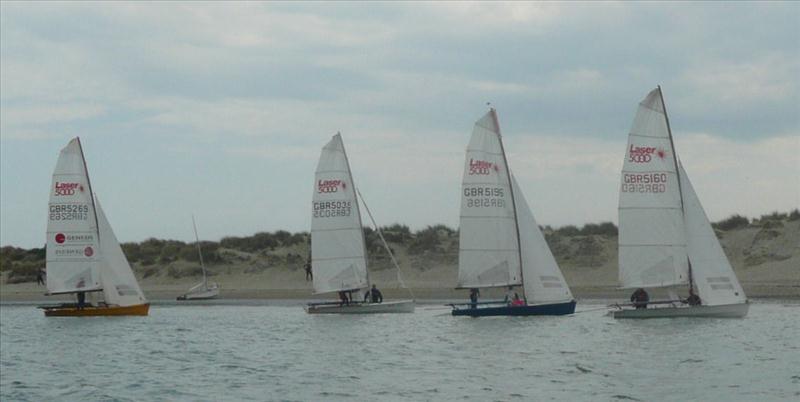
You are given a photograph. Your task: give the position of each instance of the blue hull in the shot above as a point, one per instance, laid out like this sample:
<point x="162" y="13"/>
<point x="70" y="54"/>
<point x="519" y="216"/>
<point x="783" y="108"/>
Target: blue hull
<point x="542" y="309"/>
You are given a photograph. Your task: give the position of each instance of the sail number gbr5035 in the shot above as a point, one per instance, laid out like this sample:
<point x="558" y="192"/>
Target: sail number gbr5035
<point x="484" y="197"/>
<point x="332" y="209"/>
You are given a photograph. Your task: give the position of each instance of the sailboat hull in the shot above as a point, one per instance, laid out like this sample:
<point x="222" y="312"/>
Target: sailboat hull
<point x="540" y="309"/>
<point x="92" y="311"/>
<point x="202" y="295"/>
<point x="720" y="311"/>
<point x="400" y="306"/>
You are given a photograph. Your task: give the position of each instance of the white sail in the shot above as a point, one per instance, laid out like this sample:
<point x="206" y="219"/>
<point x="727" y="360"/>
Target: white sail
<point x="713" y="276"/>
<point x="652" y="239"/>
<point x="119" y="284"/>
<point x="488" y="252"/>
<point x="541" y="277"/>
<point x="73" y="255"/>
<point x="338" y="253"/>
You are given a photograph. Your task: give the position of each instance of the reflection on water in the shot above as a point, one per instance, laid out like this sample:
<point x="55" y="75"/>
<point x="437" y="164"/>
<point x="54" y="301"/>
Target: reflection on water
<point x="264" y="351"/>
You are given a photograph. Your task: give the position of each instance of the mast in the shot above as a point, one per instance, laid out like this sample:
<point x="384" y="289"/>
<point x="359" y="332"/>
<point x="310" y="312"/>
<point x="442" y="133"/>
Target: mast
<point x="677" y="176"/>
<point x="511" y="191"/>
<point x="358" y="210"/>
<point x="200" y="253"/>
<point x="91" y="192"/>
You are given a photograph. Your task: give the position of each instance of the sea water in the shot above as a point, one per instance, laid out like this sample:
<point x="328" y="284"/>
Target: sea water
<point x="275" y="351"/>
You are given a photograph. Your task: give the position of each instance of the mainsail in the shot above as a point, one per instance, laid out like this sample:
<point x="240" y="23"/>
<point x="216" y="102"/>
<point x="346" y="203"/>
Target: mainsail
<point x="73" y="244"/>
<point x="542" y="280"/>
<point x="119" y="285"/>
<point x="337" y="239"/>
<point x="488" y="252"/>
<point x="711" y="271"/>
<point x="652" y="237"/>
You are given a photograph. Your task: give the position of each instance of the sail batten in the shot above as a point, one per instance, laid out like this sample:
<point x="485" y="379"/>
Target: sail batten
<point x="338" y="251"/>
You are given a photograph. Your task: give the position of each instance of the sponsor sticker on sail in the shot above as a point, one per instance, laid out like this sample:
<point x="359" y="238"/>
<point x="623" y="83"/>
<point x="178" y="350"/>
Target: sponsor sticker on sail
<point x="638" y="154"/>
<point x="479" y="167"/>
<point x="67" y="189"/>
<point x="330" y="186"/>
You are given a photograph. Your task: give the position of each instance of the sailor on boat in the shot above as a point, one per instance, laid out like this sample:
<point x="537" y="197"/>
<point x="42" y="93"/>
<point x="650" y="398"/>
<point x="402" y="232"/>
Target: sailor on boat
<point x="639" y="298"/>
<point x="693" y="299"/>
<point x="473" y="297"/>
<point x="343" y="299"/>
<point x="373" y="295"/>
<point x="516" y="301"/>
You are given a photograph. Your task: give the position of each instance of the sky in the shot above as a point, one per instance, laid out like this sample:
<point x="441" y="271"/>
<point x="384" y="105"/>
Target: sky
<point x="220" y="109"/>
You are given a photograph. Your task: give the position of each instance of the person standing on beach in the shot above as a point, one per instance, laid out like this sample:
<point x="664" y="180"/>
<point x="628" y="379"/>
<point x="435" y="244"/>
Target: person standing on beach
<point x="309" y="273"/>
<point x="40" y="277"/>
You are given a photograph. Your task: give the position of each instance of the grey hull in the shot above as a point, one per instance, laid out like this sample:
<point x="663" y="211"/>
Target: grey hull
<point x="720" y="311"/>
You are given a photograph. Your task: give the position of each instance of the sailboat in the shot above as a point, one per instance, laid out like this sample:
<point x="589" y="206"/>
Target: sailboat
<point x="204" y="290"/>
<point x="338" y="249"/>
<point x="500" y="244"/>
<point x="665" y="238"/>
<point x="83" y="255"/>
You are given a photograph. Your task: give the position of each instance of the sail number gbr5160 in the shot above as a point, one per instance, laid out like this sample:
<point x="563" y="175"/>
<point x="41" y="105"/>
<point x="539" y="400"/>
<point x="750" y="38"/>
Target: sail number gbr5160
<point x="644" y="182"/>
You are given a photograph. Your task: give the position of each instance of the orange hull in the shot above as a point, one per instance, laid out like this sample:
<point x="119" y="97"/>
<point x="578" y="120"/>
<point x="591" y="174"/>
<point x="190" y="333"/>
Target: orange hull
<point x="91" y="311"/>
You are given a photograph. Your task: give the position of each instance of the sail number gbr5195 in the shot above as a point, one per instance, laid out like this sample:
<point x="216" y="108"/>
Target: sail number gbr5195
<point x="332" y="209"/>
<point x="484" y="197"/>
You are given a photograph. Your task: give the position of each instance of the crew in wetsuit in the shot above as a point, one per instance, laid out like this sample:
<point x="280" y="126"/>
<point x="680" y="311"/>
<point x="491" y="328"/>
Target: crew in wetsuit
<point x="473" y="297"/>
<point x="374" y="295"/>
<point x="693" y="299"/>
<point x="81" y="300"/>
<point x="639" y="298"/>
<point x="343" y="298"/>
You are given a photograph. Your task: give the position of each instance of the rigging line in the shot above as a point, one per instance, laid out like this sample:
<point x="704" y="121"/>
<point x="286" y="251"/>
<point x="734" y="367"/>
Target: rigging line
<point x="388" y="250"/>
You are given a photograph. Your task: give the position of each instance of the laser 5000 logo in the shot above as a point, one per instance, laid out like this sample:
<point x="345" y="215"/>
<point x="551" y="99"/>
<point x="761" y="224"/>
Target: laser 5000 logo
<point x="330" y="186"/>
<point x="481" y="167"/>
<point x="63" y="189"/>
<point x="644" y="154"/>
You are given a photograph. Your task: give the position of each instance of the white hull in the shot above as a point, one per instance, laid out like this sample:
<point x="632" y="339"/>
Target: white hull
<point x="201" y="295"/>
<point x="400" y="306"/>
<point x="720" y="311"/>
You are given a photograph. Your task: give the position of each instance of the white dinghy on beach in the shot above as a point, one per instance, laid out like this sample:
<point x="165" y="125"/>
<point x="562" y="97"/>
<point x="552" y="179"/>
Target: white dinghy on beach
<point x="204" y="290"/>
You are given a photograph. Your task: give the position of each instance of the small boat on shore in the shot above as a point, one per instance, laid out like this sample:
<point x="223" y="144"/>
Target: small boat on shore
<point x="204" y="290"/>
<point x="338" y="249"/>
<point x="665" y="238"/>
<point x="84" y="257"/>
